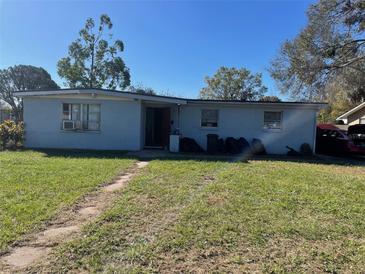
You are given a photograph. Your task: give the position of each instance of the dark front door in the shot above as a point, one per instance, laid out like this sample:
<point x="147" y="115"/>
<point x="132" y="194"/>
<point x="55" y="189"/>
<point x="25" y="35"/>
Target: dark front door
<point x="157" y="129"/>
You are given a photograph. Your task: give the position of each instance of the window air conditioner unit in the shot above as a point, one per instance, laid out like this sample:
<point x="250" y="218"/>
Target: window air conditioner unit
<point x="68" y="125"/>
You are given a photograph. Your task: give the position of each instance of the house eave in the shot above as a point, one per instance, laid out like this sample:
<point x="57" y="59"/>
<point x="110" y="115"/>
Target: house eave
<point x="97" y="92"/>
<point x="351" y="111"/>
<point x="164" y="99"/>
<point x="317" y="106"/>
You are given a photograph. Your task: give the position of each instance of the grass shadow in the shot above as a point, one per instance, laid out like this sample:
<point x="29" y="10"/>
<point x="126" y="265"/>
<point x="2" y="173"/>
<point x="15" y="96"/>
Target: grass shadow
<point x="148" y="155"/>
<point x="83" y="153"/>
<point x="315" y="159"/>
<point x="138" y="155"/>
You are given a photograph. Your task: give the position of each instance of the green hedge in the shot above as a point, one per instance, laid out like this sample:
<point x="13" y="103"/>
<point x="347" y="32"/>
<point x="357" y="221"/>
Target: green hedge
<point x="11" y="135"/>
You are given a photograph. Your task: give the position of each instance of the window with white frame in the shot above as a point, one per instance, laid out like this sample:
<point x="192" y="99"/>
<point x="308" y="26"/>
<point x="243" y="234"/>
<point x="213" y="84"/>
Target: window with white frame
<point x="209" y="118"/>
<point x="273" y="119"/>
<point x="81" y="116"/>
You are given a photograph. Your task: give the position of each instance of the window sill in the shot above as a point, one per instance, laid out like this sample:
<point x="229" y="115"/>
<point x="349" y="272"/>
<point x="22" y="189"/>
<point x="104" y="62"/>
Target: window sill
<point x="80" y="131"/>
<point x="209" y="128"/>
<point x="272" y="130"/>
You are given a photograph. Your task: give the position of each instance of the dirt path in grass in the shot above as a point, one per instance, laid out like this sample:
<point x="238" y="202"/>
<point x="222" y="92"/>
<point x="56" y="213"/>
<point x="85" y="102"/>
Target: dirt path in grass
<point x="35" y="247"/>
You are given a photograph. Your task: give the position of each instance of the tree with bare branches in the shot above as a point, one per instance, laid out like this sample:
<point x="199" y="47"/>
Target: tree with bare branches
<point x="331" y="48"/>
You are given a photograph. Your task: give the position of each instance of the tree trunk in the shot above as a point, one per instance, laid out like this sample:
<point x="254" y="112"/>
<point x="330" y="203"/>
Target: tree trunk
<point x="18" y="115"/>
<point x="92" y="66"/>
<point x="17" y="112"/>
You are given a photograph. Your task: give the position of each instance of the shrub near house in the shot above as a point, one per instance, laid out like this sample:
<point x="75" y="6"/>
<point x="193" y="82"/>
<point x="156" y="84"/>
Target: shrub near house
<point x="11" y="134"/>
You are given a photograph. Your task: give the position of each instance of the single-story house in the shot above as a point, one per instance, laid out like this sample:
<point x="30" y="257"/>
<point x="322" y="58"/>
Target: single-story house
<point x="114" y="120"/>
<point x="354" y="116"/>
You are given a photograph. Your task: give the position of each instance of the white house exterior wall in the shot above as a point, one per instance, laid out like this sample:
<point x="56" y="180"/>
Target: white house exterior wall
<point x="298" y="125"/>
<point x="122" y="122"/>
<point x="120" y="126"/>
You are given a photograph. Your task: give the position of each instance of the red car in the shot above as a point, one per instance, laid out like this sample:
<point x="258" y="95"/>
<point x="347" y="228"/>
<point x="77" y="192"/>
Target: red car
<point x="331" y="140"/>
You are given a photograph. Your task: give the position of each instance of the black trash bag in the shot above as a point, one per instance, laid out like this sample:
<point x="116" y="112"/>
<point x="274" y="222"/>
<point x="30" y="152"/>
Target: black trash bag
<point x="189" y="145"/>
<point x="221" y="145"/>
<point x="292" y="152"/>
<point x="212" y="143"/>
<point x="243" y="145"/>
<point x="232" y="146"/>
<point x="257" y="147"/>
<point x="306" y="150"/>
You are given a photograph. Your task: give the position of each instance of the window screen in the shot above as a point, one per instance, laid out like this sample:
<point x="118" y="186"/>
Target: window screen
<point x="93" y="118"/>
<point x="209" y="118"/>
<point x="272" y="119"/>
<point x="85" y="116"/>
<point x="66" y="108"/>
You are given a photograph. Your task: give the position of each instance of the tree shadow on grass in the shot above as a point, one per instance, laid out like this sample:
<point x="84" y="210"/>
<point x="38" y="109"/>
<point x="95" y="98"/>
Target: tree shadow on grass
<point x="168" y="156"/>
<point x="143" y="155"/>
<point x="315" y="159"/>
<point x="81" y="153"/>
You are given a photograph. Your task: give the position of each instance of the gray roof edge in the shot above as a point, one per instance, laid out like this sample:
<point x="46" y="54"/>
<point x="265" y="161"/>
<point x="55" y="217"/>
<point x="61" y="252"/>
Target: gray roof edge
<point x="161" y="97"/>
<point x="126" y="94"/>
<point x="351" y="111"/>
<point x="234" y="102"/>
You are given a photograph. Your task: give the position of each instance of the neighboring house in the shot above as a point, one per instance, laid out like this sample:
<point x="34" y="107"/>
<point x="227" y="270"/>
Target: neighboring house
<point x="354" y="116"/>
<point x="113" y="120"/>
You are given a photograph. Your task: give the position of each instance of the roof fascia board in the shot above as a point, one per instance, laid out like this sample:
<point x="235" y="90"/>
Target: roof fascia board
<point x="104" y="93"/>
<point x="41" y="93"/>
<point x="351" y="111"/>
<point x="83" y="97"/>
<point x="163" y="99"/>
<point x="271" y="105"/>
<point x="141" y="97"/>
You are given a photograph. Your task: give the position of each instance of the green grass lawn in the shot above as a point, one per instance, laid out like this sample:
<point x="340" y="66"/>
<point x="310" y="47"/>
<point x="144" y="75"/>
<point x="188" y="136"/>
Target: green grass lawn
<point x="35" y="185"/>
<point x="200" y="216"/>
